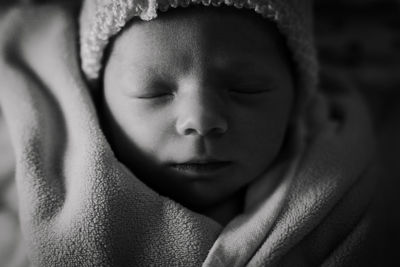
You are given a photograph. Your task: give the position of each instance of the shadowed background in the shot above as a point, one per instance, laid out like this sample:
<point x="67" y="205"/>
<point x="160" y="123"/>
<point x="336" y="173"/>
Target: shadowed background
<point x="360" y="39"/>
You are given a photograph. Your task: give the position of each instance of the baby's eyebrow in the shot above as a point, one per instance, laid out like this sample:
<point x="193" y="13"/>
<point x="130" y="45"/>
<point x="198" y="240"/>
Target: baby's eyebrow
<point x="238" y="66"/>
<point x="244" y="68"/>
<point x="155" y="71"/>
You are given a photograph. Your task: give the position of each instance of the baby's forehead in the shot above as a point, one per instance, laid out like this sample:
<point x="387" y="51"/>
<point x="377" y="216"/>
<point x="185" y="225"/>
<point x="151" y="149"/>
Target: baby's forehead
<point x="217" y="24"/>
<point x="222" y="36"/>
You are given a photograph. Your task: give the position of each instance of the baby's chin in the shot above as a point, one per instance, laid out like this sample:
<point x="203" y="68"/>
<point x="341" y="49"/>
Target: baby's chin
<point x="201" y="195"/>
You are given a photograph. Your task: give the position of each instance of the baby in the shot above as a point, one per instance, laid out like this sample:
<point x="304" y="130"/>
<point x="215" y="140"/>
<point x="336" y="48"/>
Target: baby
<point x="196" y="109"/>
<point x="198" y="102"/>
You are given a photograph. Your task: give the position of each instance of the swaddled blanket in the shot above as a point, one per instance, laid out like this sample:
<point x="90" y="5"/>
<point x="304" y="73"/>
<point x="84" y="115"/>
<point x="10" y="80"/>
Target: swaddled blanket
<point x="79" y="206"/>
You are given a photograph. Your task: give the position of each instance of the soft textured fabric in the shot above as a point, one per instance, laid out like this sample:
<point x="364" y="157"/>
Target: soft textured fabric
<point x="101" y="20"/>
<point x="80" y="207"/>
<point x="12" y="252"/>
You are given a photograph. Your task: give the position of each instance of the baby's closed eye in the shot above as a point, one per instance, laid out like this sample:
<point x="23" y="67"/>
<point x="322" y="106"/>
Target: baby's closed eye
<point x="157" y="89"/>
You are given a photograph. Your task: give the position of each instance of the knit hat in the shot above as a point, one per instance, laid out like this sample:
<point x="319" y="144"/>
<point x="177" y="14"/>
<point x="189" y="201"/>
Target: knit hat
<point x="102" y="19"/>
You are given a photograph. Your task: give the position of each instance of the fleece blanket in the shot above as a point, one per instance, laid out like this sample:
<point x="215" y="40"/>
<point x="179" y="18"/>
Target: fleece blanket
<point x="79" y="206"/>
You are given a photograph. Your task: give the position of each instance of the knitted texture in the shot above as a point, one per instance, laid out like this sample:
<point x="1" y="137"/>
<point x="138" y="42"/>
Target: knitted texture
<point x="102" y="19"/>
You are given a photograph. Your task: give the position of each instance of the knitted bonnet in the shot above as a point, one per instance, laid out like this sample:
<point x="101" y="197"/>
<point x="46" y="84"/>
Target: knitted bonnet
<point x="102" y="19"/>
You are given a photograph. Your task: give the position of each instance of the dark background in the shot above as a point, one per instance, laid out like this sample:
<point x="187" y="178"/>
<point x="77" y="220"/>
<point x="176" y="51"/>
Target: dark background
<point x="360" y="39"/>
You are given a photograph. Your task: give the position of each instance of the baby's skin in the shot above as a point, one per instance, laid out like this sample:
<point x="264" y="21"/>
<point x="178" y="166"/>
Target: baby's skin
<point x="197" y="104"/>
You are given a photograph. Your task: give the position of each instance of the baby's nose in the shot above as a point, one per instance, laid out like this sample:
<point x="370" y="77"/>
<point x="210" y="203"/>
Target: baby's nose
<point x="201" y="114"/>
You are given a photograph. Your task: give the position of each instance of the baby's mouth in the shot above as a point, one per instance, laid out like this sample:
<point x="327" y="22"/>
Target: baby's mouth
<point x="201" y="167"/>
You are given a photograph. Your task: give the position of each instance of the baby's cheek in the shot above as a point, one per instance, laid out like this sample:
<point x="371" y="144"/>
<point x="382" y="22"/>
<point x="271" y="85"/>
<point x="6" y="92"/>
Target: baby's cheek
<point x="151" y="133"/>
<point x="261" y="139"/>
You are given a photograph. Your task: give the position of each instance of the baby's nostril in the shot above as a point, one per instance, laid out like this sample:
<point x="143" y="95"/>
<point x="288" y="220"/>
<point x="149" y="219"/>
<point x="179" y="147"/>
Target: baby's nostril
<point x="204" y="131"/>
<point x="218" y="130"/>
<point x="190" y="131"/>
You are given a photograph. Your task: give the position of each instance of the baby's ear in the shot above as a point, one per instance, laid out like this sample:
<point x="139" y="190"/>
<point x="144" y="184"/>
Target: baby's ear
<point x="326" y="106"/>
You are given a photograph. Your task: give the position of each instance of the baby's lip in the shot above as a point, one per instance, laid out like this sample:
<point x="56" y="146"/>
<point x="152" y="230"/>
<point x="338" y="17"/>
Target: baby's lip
<point x="201" y="166"/>
<point x="203" y="161"/>
<point x="196" y="159"/>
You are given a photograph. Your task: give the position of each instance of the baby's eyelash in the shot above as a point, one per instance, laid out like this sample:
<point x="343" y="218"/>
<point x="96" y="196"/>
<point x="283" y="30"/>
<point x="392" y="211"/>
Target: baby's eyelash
<point x="158" y="95"/>
<point x="158" y="89"/>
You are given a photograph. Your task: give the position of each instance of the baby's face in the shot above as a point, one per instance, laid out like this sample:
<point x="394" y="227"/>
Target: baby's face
<point x="197" y="103"/>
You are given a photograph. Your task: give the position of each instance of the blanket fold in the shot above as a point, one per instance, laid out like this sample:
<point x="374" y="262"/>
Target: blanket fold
<point x="79" y="206"/>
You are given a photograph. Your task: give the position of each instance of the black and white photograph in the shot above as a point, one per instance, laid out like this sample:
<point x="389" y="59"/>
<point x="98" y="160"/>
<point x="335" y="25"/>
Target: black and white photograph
<point x="214" y="133"/>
